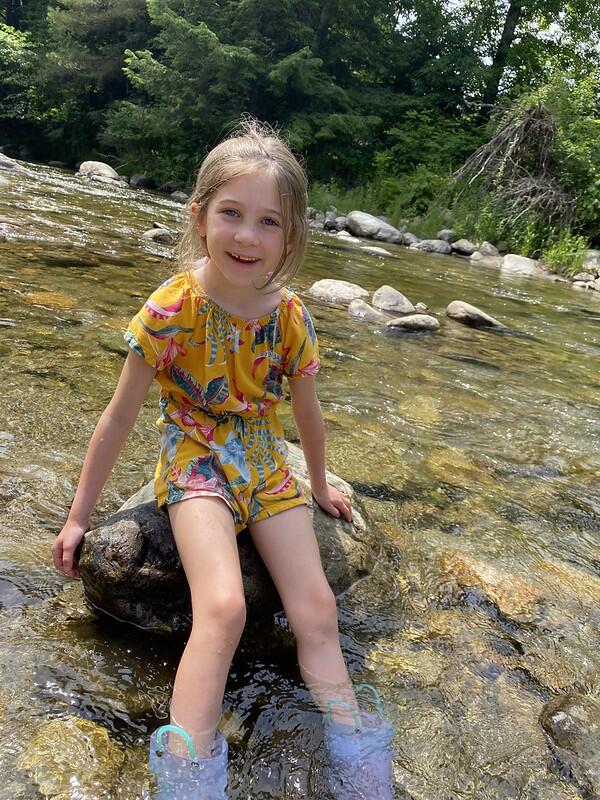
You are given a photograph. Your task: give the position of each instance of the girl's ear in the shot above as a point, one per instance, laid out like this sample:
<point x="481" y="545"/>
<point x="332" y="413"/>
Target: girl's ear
<point x="200" y="218"/>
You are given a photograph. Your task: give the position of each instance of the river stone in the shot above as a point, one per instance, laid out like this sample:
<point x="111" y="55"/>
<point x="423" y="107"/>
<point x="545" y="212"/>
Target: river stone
<point x="142" y="182"/>
<point x="130" y="568"/>
<point x="72" y="752"/>
<point x="446" y="234"/>
<point x="10" y="165"/>
<point x="415" y="322"/>
<point x="470" y="315"/>
<point x="376" y="251"/>
<point x="180" y="197"/>
<point x="522" y="267"/>
<point x="463" y="247"/>
<point x="98" y="171"/>
<point x="334" y="291"/>
<point x="572" y="723"/>
<point x="345" y="236"/>
<point x="369" y="227"/>
<point x="389" y="299"/>
<point x="584" y="277"/>
<point x="476" y="256"/>
<point x="488" y="249"/>
<point x="410" y="238"/>
<point x="159" y="235"/>
<point x="597" y="284"/>
<point x="358" y="308"/>
<point x="433" y="246"/>
<point x="422" y="308"/>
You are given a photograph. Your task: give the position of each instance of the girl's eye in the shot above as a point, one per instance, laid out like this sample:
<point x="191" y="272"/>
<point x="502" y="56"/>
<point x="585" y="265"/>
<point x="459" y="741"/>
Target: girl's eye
<point x="271" y="221"/>
<point x="231" y="212"/>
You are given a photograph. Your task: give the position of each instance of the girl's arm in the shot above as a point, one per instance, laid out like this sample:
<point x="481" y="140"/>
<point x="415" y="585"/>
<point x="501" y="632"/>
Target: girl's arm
<point x="309" y="420"/>
<point x="108" y="438"/>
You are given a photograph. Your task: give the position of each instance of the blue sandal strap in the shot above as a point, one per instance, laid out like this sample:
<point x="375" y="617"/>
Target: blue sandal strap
<point x="162" y="731"/>
<point x="376" y="697"/>
<point x="354" y="713"/>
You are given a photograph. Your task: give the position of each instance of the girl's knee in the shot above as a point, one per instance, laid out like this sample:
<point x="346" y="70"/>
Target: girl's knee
<point x="225" y="611"/>
<point x="315" y="613"/>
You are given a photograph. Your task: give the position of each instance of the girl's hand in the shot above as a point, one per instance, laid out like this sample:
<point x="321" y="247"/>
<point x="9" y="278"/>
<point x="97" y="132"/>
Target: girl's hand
<point x="333" y="502"/>
<point x="64" y="547"/>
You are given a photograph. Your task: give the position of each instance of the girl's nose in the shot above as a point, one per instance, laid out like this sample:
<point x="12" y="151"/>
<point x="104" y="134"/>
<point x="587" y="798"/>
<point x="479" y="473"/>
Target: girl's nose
<point x="246" y="235"/>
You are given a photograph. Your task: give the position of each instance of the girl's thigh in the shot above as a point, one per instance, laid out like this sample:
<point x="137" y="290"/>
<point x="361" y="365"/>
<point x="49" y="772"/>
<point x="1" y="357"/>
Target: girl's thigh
<point x="288" y="546"/>
<point x="204" y="533"/>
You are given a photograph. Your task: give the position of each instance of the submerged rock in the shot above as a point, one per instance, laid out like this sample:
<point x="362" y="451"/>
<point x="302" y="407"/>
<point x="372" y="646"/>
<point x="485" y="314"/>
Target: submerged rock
<point x="471" y="315"/>
<point x="389" y="299"/>
<point x="159" y="235"/>
<point x="131" y="570"/>
<point x="521" y="267"/>
<point x="334" y="291"/>
<point x="376" y="251"/>
<point x="573" y="727"/>
<point x="433" y="246"/>
<point x="358" y="308"/>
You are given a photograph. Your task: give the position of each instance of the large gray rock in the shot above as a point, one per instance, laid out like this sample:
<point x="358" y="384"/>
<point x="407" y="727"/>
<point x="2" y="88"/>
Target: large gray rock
<point x="369" y="227"/>
<point x="130" y="568"/>
<point x="410" y="238"/>
<point x="334" y="291"/>
<point x="572" y="723"/>
<point x="98" y="171"/>
<point x="142" y="182"/>
<point x="415" y="322"/>
<point x="390" y="299"/>
<point x="521" y="267"/>
<point x="433" y="246"/>
<point x="159" y="235"/>
<point x="487" y="249"/>
<point x="446" y="235"/>
<point x="584" y="277"/>
<point x="463" y="247"/>
<point x="471" y="315"/>
<point x="10" y="165"/>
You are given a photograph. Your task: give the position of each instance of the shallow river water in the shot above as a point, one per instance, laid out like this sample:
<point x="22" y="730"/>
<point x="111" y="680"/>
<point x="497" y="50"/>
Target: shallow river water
<point x="476" y="455"/>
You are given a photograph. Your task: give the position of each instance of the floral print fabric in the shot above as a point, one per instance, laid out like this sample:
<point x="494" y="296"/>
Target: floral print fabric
<point x="221" y="380"/>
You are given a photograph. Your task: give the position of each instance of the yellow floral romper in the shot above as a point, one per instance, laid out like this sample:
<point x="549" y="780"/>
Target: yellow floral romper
<point x="221" y="380"/>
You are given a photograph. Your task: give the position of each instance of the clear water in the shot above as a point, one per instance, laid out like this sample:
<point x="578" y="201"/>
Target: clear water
<point x="475" y="454"/>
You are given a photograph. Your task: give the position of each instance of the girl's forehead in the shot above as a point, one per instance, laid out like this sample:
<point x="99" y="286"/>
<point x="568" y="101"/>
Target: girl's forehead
<point x="261" y="182"/>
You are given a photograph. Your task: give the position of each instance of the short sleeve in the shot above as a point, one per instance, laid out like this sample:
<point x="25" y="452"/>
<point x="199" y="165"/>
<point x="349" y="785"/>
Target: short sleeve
<point x="160" y="330"/>
<point x="301" y="349"/>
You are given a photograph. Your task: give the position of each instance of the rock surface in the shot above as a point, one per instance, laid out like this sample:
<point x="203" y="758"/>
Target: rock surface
<point x="487" y="249"/>
<point x="415" y="322"/>
<point x="522" y="267"/>
<point x="389" y="299"/>
<point x="572" y="723"/>
<point x="10" y="165"/>
<point x="362" y="310"/>
<point x="446" y="234"/>
<point x="159" y="235"/>
<point x="471" y="315"/>
<point x="334" y="291"/>
<point x="376" y="251"/>
<point x="433" y="246"/>
<point x="130" y="568"/>
<point x="98" y="171"/>
<point x="463" y="247"/>
<point x="369" y="227"/>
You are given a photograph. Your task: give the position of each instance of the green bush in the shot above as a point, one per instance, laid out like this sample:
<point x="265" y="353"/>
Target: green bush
<point x="566" y="254"/>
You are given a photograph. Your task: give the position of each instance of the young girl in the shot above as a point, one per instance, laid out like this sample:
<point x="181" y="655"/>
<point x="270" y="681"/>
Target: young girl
<point x="218" y="337"/>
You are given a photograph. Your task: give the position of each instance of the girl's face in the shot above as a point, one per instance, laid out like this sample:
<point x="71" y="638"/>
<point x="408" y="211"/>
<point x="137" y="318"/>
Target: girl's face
<point x="243" y="226"/>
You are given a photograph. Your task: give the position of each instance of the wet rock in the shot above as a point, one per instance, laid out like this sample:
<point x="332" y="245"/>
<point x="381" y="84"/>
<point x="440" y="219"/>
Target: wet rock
<point x="410" y="238"/>
<point x="376" y="251"/>
<point x="130" y="568"/>
<point x="415" y="322"/>
<point x="49" y="299"/>
<point x="463" y="247"/>
<point x="422" y="308"/>
<point x="369" y="227"/>
<point x="7" y="232"/>
<point x="73" y="754"/>
<point x="362" y="310"/>
<point x="597" y="284"/>
<point x="171" y="186"/>
<point x="159" y="235"/>
<point x="470" y="315"/>
<point x="433" y="246"/>
<point x="334" y="291"/>
<point x="573" y="727"/>
<point x="142" y="182"/>
<point x="592" y="259"/>
<point x="521" y="267"/>
<point x="462" y="576"/>
<point x="476" y="256"/>
<point x="98" y="171"/>
<point x="486" y="261"/>
<point x="389" y="299"/>
<point x="180" y="197"/>
<point x="9" y="165"/>
<point x="584" y="277"/>
<point x="347" y="237"/>
<point x="582" y="285"/>
<point x="446" y="235"/>
<point x="488" y="249"/>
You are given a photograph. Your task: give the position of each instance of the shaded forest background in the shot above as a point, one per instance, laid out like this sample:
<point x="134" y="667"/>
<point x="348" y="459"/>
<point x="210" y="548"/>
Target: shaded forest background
<point x="385" y="100"/>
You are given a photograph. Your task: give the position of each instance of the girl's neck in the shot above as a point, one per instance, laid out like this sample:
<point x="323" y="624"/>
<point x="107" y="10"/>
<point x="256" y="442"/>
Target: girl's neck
<point x="244" y="302"/>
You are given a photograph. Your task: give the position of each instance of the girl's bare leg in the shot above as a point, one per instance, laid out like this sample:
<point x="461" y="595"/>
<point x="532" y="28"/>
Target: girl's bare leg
<point x="205" y="536"/>
<point x="288" y="547"/>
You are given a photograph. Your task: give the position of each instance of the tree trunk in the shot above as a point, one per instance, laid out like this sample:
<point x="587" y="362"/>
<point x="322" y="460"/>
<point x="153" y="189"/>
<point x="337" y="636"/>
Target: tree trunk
<point x="490" y="93"/>
<point x="13" y="13"/>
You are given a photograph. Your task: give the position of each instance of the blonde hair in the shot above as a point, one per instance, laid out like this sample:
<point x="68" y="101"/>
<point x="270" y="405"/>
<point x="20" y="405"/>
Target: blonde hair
<point x="253" y="146"/>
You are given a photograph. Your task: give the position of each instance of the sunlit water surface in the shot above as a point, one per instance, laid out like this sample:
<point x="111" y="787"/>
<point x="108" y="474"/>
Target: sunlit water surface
<point x="475" y="454"/>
